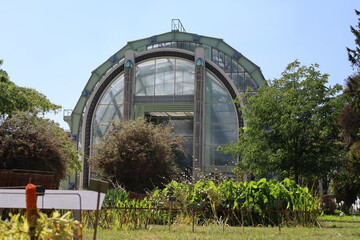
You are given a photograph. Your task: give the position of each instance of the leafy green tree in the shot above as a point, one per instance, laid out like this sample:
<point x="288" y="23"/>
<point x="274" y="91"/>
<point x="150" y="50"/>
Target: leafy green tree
<point x="137" y="154"/>
<point x="33" y="143"/>
<point x="4" y="77"/>
<point x="26" y="141"/>
<point x="290" y="127"/>
<point x="14" y="98"/>
<point x="347" y="179"/>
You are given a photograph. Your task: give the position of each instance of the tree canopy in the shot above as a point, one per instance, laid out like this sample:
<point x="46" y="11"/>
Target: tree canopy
<point x="27" y="141"/>
<point x="347" y="178"/>
<point x="14" y="98"/>
<point x="291" y="126"/>
<point x="32" y="143"/>
<point x="137" y="154"/>
<point x="354" y="54"/>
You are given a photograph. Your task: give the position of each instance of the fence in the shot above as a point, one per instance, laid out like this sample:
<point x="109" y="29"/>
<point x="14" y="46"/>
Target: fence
<point x="18" y="178"/>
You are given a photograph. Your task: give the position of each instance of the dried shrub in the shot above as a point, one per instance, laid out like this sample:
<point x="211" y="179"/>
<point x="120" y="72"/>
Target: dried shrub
<point x="31" y="143"/>
<point x="137" y="154"/>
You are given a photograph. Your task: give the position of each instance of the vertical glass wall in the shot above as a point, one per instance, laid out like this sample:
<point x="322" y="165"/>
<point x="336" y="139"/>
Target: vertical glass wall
<point x="109" y="108"/>
<point x="221" y="124"/>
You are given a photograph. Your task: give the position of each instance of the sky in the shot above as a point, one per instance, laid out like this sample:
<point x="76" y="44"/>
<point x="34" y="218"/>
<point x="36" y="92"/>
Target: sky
<point x="53" y="46"/>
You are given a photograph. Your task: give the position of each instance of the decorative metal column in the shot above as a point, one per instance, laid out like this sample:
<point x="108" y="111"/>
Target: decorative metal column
<point x="198" y="161"/>
<point x="129" y="81"/>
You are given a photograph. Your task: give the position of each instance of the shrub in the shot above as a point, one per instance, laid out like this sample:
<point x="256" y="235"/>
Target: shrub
<point x="137" y="155"/>
<point x="32" y="143"/>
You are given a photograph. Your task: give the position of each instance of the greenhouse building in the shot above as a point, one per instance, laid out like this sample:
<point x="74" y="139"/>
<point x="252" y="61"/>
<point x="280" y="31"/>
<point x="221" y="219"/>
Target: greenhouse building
<point x="181" y="78"/>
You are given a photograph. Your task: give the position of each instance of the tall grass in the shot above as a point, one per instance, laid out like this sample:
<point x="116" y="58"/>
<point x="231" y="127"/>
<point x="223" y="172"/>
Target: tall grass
<point x="205" y="202"/>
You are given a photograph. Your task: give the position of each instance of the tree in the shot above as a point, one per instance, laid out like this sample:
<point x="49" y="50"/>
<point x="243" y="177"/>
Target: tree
<point x="14" y="98"/>
<point x="4" y="77"/>
<point x="347" y="178"/>
<point x="33" y="143"/>
<point x="354" y="54"/>
<point x="290" y="127"/>
<point x="137" y="154"/>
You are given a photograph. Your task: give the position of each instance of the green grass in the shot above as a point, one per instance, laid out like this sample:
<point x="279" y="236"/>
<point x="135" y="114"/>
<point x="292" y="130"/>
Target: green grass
<point x="336" y="218"/>
<point x="157" y="232"/>
<point x="335" y="221"/>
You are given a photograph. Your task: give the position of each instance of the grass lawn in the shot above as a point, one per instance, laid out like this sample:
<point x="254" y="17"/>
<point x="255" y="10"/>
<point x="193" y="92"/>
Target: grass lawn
<point x="157" y="232"/>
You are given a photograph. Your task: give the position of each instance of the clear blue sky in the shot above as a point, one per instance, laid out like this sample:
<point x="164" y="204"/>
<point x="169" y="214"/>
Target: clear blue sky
<point x="52" y="46"/>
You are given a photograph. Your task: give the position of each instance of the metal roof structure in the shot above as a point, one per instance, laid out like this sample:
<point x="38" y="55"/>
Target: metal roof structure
<point x="73" y="117"/>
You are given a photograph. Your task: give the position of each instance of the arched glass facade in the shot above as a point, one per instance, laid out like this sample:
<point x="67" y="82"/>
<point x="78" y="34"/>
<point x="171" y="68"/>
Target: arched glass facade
<point x="171" y="77"/>
<point x="180" y="78"/>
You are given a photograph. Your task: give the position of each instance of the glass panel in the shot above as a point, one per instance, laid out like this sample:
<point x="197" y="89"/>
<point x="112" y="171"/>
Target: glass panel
<point x="227" y="67"/>
<point x="192" y="47"/>
<point x="220" y="134"/>
<point x="145" y="77"/>
<point x="181" y="44"/>
<point x="114" y="94"/>
<point x="185" y="163"/>
<point x="222" y="127"/>
<point x="215" y="56"/>
<point x="221" y="60"/>
<point x="183" y="126"/>
<point x="98" y="132"/>
<point x="184" y="78"/>
<point x="80" y="139"/>
<point x="234" y="66"/>
<point x="240" y="81"/>
<point x="105" y="113"/>
<point x="250" y="82"/>
<point x="215" y="91"/>
<point x="221" y="122"/>
<point x="220" y="113"/>
<point x="216" y="158"/>
<point x="164" y="81"/>
<point x="165" y="77"/>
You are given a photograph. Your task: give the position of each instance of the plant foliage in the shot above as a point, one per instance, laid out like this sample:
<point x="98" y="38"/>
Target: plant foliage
<point x="354" y="54"/>
<point x="347" y="178"/>
<point x="216" y="202"/>
<point x="137" y="154"/>
<point x="291" y="127"/>
<point x="32" y="143"/>
<point x="228" y="200"/>
<point x="14" y="98"/>
<point x="56" y="227"/>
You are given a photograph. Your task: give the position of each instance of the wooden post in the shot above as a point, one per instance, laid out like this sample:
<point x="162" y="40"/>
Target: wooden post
<point x="193" y="220"/>
<point x="96" y="216"/>
<point x="170" y="200"/>
<point x="100" y="187"/>
<point x="169" y="223"/>
<point x="242" y="220"/>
